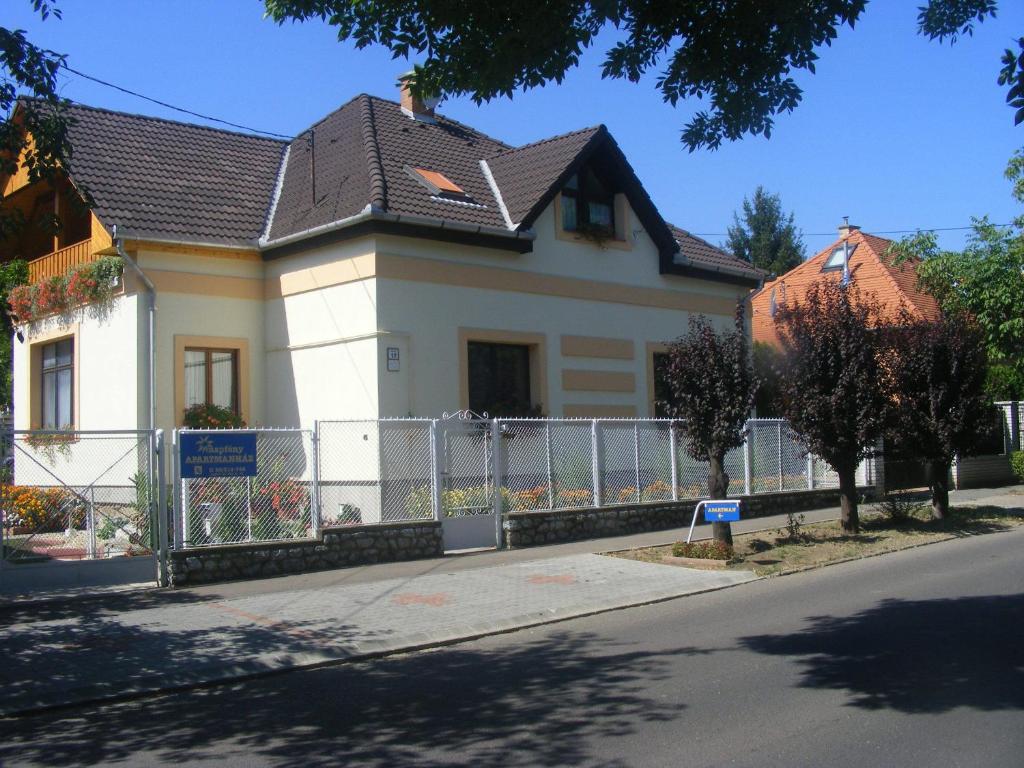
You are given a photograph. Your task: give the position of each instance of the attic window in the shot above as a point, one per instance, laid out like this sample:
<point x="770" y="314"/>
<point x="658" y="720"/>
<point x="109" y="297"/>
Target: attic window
<point x="835" y="261"/>
<point x="587" y="204"/>
<point x="440" y="186"/>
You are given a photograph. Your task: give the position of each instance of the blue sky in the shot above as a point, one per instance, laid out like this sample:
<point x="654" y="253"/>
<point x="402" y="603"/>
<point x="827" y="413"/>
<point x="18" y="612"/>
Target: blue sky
<point x="895" y="131"/>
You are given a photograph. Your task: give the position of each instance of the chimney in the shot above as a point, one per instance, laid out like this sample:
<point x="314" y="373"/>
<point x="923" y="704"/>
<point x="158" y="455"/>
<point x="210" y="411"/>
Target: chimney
<point x="413" y="106"/>
<point x="846" y="228"/>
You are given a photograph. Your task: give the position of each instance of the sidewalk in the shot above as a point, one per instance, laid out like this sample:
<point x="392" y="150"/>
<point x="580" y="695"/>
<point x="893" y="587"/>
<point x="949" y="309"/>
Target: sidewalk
<point x="74" y="651"/>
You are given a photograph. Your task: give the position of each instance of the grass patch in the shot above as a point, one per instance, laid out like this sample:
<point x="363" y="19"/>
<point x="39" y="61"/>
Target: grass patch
<point x="789" y="549"/>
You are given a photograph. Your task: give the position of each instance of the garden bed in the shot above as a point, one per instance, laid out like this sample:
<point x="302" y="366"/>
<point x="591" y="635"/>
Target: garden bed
<point x="800" y="547"/>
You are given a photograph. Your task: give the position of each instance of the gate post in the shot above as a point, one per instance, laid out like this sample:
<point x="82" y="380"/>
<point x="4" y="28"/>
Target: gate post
<point x="314" y="492"/>
<point x="781" y="483"/>
<point x="497" y="475"/>
<point x="160" y="480"/>
<point x="748" y="458"/>
<point x="636" y="458"/>
<point x="810" y="472"/>
<point x="180" y="518"/>
<point x="436" y="459"/>
<point x="674" y="460"/>
<point x="595" y="467"/>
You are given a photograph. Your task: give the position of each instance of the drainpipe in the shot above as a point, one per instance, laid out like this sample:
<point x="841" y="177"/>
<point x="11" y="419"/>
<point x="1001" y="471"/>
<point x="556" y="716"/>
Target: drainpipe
<point x="151" y="344"/>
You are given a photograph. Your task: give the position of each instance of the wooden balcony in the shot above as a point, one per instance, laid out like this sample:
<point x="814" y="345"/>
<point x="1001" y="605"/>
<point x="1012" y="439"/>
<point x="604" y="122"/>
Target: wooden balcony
<point x="57" y="263"/>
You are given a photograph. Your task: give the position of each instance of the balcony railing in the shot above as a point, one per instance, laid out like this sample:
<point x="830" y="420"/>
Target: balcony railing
<point x="58" y="262"/>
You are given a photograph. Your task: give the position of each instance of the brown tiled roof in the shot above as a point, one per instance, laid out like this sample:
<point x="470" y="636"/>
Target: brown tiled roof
<point x="700" y="252"/>
<point x="362" y="155"/>
<point x="525" y="174"/>
<point x="161" y="179"/>
<point x="870" y="269"/>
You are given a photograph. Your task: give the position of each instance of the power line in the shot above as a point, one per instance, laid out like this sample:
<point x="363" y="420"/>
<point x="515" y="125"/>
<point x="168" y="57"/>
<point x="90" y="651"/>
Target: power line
<point x="873" y="232"/>
<point x="177" y="109"/>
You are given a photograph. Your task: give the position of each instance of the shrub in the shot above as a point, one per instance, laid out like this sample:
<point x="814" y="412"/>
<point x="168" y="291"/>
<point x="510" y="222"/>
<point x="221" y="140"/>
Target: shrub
<point x="209" y="416"/>
<point x="897" y="507"/>
<point x="709" y="549"/>
<point x="1017" y="462"/>
<point x="43" y="511"/>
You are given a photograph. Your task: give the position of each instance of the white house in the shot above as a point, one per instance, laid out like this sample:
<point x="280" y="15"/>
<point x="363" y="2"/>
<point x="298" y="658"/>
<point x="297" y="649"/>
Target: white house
<point x="386" y="262"/>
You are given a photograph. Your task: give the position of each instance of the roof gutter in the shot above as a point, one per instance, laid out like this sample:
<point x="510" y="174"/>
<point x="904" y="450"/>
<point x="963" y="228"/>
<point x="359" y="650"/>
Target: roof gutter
<point x="682" y="261"/>
<point x="370" y="213"/>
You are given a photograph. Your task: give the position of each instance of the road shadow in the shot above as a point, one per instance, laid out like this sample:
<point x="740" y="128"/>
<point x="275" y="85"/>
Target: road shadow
<point x="914" y="656"/>
<point x="539" y="703"/>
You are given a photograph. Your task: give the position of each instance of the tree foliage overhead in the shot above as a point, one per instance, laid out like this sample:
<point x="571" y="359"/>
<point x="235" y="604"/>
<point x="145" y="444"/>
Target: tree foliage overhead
<point x="942" y="410"/>
<point x="26" y="70"/>
<point x="765" y="236"/>
<point x="833" y="384"/>
<point x="737" y="56"/>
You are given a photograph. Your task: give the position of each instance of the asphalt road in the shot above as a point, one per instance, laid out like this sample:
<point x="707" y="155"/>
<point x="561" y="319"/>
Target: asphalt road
<point x="915" y="658"/>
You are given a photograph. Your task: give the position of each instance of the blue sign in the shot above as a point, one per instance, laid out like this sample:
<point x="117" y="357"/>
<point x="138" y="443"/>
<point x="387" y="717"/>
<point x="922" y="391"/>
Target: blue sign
<point x="721" y="511"/>
<point x="217" y="454"/>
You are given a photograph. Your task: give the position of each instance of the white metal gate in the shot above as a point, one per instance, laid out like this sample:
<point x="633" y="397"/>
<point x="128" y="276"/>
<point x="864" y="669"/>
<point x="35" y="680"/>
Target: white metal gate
<point x="466" y="472"/>
<point x="79" y="509"/>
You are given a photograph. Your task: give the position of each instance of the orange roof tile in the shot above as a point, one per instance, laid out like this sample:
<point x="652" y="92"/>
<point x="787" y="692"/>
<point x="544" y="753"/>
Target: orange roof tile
<point x="869" y="268"/>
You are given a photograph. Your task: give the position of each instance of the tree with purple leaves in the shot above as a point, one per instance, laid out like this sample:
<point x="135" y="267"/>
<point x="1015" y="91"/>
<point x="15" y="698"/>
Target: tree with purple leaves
<point x="711" y="387"/>
<point x="942" y="410"/>
<point x="833" y="382"/>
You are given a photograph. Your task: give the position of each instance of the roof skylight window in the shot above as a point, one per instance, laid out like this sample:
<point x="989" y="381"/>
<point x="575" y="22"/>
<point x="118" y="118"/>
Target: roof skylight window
<point x="835" y="261"/>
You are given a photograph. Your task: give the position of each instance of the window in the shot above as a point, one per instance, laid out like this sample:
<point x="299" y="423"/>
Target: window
<point x="499" y="379"/>
<point x="587" y="204"/>
<point x="211" y="377"/>
<point x="835" y="261"/>
<point x="57" y="385"/>
<point x="662" y="391"/>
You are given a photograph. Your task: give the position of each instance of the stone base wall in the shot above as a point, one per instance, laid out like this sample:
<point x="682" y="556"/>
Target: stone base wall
<point x="336" y="548"/>
<point x="530" y="529"/>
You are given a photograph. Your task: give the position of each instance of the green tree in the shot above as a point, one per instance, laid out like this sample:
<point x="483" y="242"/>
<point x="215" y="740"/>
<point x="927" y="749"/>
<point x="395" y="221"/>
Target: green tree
<point x="765" y="237"/>
<point x="28" y="76"/>
<point x="737" y="55"/>
<point x="11" y="274"/>
<point x="985" y="281"/>
<point x="711" y="387"/>
<point x="833" y="381"/>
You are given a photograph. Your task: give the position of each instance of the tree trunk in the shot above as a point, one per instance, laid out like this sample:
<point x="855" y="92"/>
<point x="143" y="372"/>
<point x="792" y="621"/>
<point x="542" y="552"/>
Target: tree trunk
<point x="938" y="474"/>
<point x="848" y="500"/>
<point x="718" y="488"/>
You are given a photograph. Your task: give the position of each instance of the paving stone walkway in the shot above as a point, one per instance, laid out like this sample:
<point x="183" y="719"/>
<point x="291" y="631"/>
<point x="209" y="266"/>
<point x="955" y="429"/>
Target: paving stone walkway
<point x="65" y="653"/>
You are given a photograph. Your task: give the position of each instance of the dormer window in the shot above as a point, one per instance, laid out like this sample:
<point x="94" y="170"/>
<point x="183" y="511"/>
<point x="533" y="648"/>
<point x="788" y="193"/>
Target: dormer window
<point x="442" y="189"/>
<point x="836" y="259"/>
<point x="587" y="204"/>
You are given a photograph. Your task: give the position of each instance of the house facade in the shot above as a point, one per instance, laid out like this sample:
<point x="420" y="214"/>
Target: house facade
<point x="387" y="262"/>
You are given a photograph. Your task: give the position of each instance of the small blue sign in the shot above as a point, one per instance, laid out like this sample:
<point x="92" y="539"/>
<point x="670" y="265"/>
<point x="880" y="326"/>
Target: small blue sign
<point x="217" y="454"/>
<point x="721" y="511"/>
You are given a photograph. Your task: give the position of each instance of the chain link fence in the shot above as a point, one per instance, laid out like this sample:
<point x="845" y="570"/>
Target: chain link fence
<point x="395" y="470"/>
<point x="277" y="503"/>
<point x="70" y="495"/>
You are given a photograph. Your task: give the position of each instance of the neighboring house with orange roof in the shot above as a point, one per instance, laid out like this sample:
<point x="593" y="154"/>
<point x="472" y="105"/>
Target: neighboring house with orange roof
<point x="869" y="268"/>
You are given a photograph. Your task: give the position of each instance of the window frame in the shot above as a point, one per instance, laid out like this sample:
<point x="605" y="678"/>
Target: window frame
<point x="208" y="377"/>
<point x="223" y="343"/>
<point x="582" y="198"/>
<point x="54" y="372"/>
<point x="537" y="346"/>
<point x="520" y="379"/>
